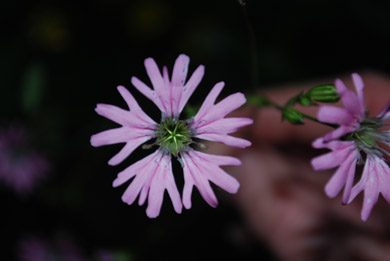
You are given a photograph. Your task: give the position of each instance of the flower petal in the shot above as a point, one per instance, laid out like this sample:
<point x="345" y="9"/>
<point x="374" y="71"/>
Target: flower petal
<point x="332" y="159"/>
<point x="225" y="139"/>
<point x="350" y="100"/>
<point x="208" y="103"/>
<point x="339" y="178"/>
<point x="187" y="190"/>
<point x="221" y="109"/>
<point x="224" y="126"/>
<point x="385" y="112"/>
<point x="180" y="70"/>
<point x="118" y="135"/>
<point x="218" y="159"/>
<point x="191" y="166"/>
<point x="190" y="86"/>
<point x="149" y="93"/>
<point x="113" y="113"/>
<point x="156" y="193"/>
<point x="130" y="146"/>
<point x="335" y="115"/>
<point x="339" y="132"/>
<point x="133" y="169"/>
<point x="134" y="107"/>
<point x="362" y="182"/>
<point x="359" y="86"/>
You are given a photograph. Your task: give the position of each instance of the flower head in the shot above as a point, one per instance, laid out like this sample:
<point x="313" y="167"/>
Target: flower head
<point x="21" y="168"/>
<point x="173" y="136"/>
<point x="358" y="139"/>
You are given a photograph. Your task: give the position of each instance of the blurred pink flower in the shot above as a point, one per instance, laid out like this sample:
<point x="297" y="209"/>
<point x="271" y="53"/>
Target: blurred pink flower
<point x="356" y="134"/>
<point x="173" y="136"/>
<point x="21" y="168"/>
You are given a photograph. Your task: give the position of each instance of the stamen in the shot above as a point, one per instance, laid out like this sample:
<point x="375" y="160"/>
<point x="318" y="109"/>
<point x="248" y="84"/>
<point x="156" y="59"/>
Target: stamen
<point x="148" y="146"/>
<point x="181" y="162"/>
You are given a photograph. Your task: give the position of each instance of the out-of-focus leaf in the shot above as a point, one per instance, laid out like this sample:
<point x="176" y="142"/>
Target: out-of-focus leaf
<point x="33" y="87"/>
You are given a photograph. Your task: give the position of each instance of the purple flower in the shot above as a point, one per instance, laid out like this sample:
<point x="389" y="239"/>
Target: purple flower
<point x="21" y="168"/>
<point x="174" y="138"/>
<point x="356" y="140"/>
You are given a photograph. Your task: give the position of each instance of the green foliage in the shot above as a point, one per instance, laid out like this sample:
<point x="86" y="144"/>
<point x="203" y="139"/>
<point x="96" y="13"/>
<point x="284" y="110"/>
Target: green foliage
<point x="33" y="87"/>
<point x="293" y="116"/>
<point x="191" y="110"/>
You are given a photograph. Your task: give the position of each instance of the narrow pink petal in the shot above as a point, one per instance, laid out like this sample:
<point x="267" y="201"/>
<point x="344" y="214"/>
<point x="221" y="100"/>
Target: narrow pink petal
<point x="149" y="93"/>
<point x="173" y="192"/>
<point x="154" y="75"/>
<point x="133" y="169"/>
<point x="371" y="192"/>
<point x="363" y="180"/>
<point x="113" y="113"/>
<point x="144" y="191"/>
<point x="210" y="168"/>
<point x="339" y="132"/>
<point x="180" y="70"/>
<point x="208" y="103"/>
<point x="224" y="126"/>
<point x="339" y="178"/>
<point x="156" y="193"/>
<point x="118" y="135"/>
<point x="124" y="117"/>
<point x="332" y="159"/>
<point x="190" y="87"/>
<point x="187" y="190"/>
<point x="350" y="100"/>
<point x="226" y="139"/>
<point x="336" y="115"/>
<point x="130" y="146"/>
<point x="350" y="179"/>
<point x="199" y="180"/>
<point x="221" y="178"/>
<point x="221" y="109"/>
<point x="359" y="86"/>
<point x="139" y="181"/>
<point x="384" y="178"/>
<point x="166" y="95"/>
<point x="319" y="143"/>
<point x="218" y="159"/>
<point x="385" y="112"/>
<point x="133" y="105"/>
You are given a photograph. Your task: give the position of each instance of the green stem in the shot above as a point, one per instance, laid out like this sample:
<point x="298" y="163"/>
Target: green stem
<point x="263" y="101"/>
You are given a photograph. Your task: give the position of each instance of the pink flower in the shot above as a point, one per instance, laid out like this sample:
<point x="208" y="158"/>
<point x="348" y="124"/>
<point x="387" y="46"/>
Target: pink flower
<point x="21" y="168"/>
<point x="355" y="141"/>
<point x="174" y="137"/>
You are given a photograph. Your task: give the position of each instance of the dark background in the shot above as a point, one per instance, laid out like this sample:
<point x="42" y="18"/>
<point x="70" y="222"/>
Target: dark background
<point x="60" y="58"/>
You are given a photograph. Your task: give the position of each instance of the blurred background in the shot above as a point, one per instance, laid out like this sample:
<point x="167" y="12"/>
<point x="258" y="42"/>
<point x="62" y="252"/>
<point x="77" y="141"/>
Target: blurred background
<point x="60" y="58"/>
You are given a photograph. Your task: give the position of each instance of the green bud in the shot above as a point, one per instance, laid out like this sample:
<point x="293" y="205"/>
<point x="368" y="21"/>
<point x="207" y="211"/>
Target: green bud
<point x="305" y="101"/>
<point x="323" y="93"/>
<point x="293" y="116"/>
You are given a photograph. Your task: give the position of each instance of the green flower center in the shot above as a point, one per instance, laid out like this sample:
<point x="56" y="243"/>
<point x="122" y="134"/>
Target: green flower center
<point x="173" y="136"/>
<point x="369" y="135"/>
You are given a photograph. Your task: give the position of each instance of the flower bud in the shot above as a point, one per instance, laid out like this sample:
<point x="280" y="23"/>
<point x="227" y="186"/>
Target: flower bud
<point x="293" y="116"/>
<point x="323" y="93"/>
<point x="305" y="101"/>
